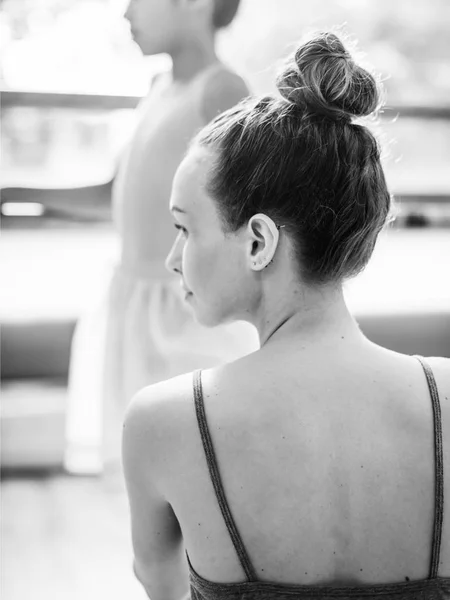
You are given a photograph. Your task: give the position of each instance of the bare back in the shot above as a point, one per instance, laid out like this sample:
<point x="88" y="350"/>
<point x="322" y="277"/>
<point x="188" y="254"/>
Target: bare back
<point x="327" y="461"/>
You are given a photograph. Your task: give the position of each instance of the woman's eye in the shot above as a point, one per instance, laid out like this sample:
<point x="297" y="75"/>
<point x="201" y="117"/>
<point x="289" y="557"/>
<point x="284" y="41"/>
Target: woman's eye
<point x="180" y="228"/>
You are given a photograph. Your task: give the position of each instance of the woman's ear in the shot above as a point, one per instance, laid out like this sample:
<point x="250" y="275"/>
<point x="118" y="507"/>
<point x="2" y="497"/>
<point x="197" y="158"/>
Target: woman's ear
<point x="264" y="238"/>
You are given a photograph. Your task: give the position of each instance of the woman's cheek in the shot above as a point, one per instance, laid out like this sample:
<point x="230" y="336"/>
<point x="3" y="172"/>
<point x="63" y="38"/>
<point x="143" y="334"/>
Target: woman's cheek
<point x="199" y="264"/>
<point x="191" y="267"/>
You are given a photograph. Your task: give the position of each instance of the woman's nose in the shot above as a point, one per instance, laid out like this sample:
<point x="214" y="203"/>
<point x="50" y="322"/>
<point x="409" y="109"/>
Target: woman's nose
<point x="173" y="260"/>
<point x="127" y="13"/>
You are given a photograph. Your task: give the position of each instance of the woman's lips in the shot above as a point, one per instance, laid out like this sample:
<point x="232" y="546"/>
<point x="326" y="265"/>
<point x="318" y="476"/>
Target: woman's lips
<point x="187" y="293"/>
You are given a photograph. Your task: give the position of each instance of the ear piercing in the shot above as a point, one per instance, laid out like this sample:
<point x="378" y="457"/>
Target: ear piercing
<point x="265" y="266"/>
<point x="271" y="261"/>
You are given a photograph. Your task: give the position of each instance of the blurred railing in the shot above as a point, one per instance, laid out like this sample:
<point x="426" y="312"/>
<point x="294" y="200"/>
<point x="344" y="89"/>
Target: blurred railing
<point x="63" y="100"/>
<point x="91" y="204"/>
<point x="107" y="102"/>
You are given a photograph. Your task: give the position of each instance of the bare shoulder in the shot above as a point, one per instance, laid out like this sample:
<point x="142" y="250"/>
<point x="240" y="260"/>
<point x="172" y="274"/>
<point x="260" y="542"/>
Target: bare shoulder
<point x="441" y="371"/>
<point x="223" y="90"/>
<point x="155" y="420"/>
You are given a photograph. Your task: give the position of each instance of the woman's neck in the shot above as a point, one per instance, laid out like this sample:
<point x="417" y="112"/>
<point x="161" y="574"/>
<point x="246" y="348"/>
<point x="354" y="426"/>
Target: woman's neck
<point x="193" y="56"/>
<point x="318" y="316"/>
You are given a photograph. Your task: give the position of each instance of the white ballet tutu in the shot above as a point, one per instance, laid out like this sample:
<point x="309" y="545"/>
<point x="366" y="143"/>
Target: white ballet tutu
<point x="139" y="333"/>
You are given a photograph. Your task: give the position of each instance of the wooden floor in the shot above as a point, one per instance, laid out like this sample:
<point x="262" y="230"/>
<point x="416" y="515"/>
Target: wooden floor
<point x="66" y="538"/>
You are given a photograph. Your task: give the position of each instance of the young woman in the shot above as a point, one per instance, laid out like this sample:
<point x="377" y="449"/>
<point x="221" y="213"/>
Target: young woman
<point x="312" y="468"/>
<point x="143" y="332"/>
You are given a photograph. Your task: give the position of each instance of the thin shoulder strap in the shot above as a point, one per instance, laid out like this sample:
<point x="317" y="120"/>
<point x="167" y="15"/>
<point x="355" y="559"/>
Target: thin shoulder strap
<point x="438" y="467"/>
<point x="216" y="480"/>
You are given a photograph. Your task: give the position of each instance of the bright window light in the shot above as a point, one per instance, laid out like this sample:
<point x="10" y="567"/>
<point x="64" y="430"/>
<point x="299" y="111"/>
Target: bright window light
<point x="22" y="209"/>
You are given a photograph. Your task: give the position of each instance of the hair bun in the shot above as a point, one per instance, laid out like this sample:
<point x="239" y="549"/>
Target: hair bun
<point x="323" y="78"/>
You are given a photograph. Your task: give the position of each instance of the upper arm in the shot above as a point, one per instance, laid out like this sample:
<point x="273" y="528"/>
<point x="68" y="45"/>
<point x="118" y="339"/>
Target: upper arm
<point x="156" y="534"/>
<point x="223" y="90"/>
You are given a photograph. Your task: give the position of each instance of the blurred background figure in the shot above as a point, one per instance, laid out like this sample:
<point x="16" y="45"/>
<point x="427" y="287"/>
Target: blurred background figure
<point x="71" y="78"/>
<point x="143" y="332"/>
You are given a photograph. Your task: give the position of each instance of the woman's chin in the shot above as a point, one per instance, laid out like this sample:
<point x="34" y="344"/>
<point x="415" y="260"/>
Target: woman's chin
<point x="204" y="318"/>
<point x="206" y="322"/>
<point x="203" y="315"/>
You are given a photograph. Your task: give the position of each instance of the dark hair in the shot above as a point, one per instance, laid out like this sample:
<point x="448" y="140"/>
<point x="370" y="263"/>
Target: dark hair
<point x="224" y="12"/>
<point x="302" y="161"/>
